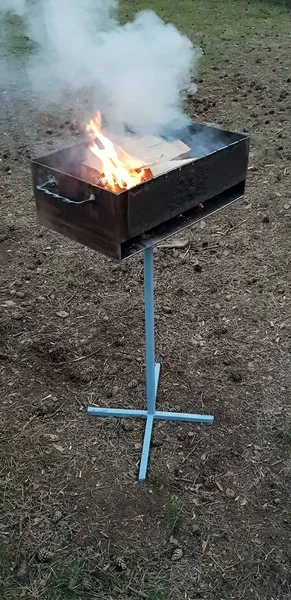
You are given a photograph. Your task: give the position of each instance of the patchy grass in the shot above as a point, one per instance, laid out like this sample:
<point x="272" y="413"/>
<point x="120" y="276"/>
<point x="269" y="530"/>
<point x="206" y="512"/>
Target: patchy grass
<point x="13" y="35"/>
<point x="157" y="594"/>
<point x="61" y="579"/>
<point x="217" y="26"/>
<point x="63" y="272"/>
<point x="173" y="512"/>
<point x="59" y="266"/>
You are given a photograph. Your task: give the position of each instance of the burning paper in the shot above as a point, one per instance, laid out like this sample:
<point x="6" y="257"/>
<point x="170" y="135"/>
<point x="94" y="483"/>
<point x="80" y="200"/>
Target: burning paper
<point x="118" y="170"/>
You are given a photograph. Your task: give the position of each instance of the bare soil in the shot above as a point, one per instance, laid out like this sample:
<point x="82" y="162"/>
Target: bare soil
<point x="68" y="482"/>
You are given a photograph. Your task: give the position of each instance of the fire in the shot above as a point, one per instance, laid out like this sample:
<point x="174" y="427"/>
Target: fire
<point x="120" y="171"/>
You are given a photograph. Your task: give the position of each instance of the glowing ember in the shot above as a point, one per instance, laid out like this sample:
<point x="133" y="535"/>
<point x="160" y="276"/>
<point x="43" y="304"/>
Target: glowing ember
<point x="120" y="171"/>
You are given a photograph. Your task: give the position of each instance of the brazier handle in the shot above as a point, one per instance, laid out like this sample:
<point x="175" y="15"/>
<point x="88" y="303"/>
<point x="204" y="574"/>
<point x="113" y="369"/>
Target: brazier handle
<point x="51" y="182"/>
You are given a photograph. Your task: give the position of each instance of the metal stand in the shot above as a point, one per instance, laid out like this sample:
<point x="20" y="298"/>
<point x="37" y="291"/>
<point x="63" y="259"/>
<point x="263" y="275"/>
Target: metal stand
<point x="152" y="377"/>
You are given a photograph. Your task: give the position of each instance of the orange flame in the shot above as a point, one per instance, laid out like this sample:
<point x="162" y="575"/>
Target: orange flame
<point x="120" y="170"/>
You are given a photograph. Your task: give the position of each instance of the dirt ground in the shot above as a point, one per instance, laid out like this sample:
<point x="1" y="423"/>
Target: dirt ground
<point x="75" y="523"/>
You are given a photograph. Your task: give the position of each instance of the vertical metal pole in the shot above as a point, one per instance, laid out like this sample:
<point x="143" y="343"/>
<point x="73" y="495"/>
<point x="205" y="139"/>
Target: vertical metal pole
<point x="149" y="329"/>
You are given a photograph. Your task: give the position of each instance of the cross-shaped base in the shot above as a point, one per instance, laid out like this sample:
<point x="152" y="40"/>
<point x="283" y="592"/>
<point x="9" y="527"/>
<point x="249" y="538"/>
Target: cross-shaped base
<point x="150" y="417"/>
<point x="152" y="377"/>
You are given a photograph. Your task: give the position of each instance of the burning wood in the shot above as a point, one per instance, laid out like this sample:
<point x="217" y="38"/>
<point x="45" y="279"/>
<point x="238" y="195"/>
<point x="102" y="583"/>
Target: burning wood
<point x="118" y="170"/>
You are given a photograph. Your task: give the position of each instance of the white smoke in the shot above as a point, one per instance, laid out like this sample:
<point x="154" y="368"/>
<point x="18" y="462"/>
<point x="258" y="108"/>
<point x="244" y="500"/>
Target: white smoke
<point x="138" y="71"/>
<point x="16" y="6"/>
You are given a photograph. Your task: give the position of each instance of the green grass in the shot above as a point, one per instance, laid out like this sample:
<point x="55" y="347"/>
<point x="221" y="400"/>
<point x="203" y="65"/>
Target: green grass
<point x="62" y="578"/>
<point x="173" y="510"/>
<point x="13" y="35"/>
<point x="158" y="595"/>
<point x="155" y="588"/>
<point x="216" y="25"/>
<point x="59" y="266"/>
<point x="63" y="272"/>
<point x="59" y="580"/>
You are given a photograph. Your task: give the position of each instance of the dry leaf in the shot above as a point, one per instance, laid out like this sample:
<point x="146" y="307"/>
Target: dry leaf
<point x="63" y="314"/>
<point x="230" y="493"/>
<point x="59" y="448"/>
<point x="196" y="502"/>
<point x="204" y="545"/>
<point x="219" y="486"/>
<point x="51" y="436"/>
<point x="174" y="541"/>
<point x="9" y="303"/>
<point x="37" y="520"/>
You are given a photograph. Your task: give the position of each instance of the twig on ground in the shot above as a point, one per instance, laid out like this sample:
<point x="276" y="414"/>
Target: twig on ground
<point x="28" y="423"/>
<point x="234" y="227"/>
<point x="71" y="297"/>
<point x="192" y="450"/>
<point x="87" y="356"/>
